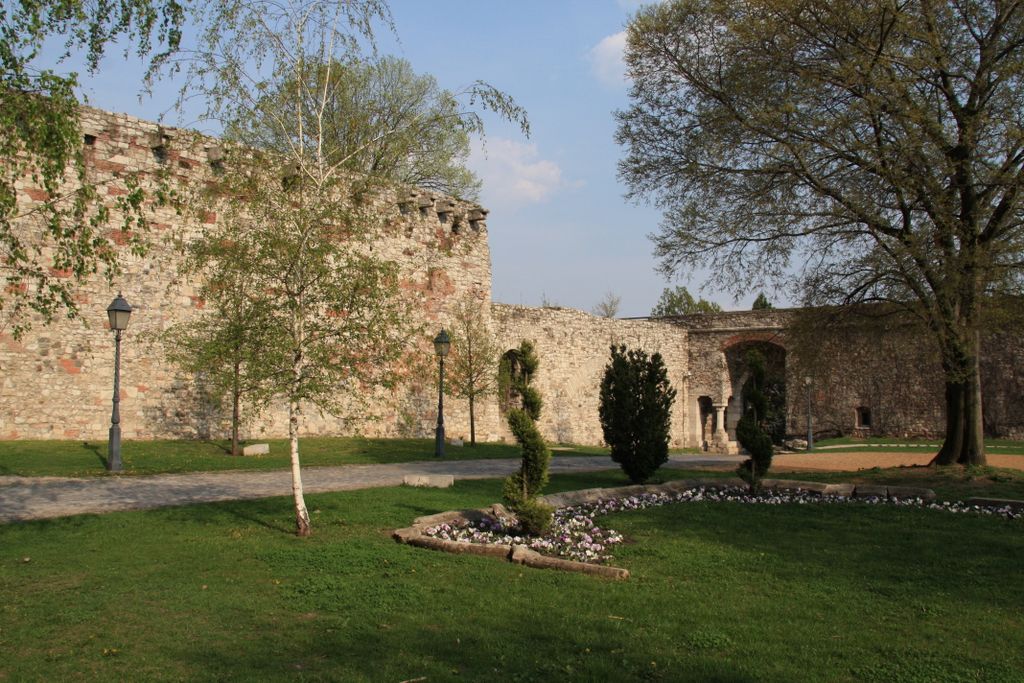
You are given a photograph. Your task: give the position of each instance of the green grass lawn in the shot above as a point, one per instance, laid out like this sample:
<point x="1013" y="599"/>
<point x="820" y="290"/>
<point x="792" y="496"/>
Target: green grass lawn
<point x="721" y="592"/>
<point x="918" y="444"/>
<point x="88" y="458"/>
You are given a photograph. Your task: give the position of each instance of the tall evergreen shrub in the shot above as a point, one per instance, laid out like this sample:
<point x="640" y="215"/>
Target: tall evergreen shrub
<point x="636" y="411"/>
<point x="520" y="490"/>
<point x="751" y="430"/>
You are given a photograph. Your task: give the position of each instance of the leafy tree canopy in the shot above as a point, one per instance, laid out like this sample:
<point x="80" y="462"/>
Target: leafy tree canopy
<point x="864" y="151"/>
<point x="679" y="301"/>
<point x="761" y="303"/>
<point x="380" y="118"/>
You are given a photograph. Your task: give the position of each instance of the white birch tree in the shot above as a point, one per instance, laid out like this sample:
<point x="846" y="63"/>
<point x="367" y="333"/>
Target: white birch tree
<point x="267" y="71"/>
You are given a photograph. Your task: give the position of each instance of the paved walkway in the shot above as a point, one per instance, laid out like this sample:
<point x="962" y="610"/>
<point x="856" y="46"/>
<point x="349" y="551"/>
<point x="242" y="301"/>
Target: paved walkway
<point x="24" y="498"/>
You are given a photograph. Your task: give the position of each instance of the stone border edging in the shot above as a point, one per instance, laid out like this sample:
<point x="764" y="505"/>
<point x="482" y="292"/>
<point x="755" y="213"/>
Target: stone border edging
<point x="521" y="554"/>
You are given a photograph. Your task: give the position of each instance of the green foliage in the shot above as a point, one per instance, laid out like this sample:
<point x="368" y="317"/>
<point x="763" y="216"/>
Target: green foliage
<point x="51" y="246"/>
<point x="679" y="301"/>
<point x="382" y="119"/>
<point x="234" y="346"/>
<point x="337" y="312"/>
<point x="521" y="489"/>
<point x="376" y="118"/>
<point x="471" y="360"/>
<point x="534" y="517"/>
<point x="750" y="431"/>
<point x="636" y="411"/>
<point x="761" y="303"/>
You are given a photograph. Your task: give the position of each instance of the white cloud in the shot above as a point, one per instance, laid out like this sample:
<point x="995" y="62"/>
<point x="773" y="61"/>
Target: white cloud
<point x="606" y="60"/>
<point x="513" y="173"/>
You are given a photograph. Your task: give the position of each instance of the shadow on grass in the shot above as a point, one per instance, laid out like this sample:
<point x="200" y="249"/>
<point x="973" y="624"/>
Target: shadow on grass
<point x="244" y="512"/>
<point x="95" y="450"/>
<point x="425" y="644"/>
<point x="882" y="550"/>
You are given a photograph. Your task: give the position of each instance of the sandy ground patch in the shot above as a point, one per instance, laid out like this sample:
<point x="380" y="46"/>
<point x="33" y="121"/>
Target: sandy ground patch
<point x="849" y="461"/>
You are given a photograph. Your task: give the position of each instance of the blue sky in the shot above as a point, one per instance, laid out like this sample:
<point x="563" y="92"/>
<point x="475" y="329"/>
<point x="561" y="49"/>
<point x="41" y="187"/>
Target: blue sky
<point x="560" y="228"/>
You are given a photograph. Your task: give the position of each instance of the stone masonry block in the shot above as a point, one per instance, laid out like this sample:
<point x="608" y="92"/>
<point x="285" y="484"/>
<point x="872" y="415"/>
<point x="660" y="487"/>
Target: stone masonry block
<point x="437" y="481"/>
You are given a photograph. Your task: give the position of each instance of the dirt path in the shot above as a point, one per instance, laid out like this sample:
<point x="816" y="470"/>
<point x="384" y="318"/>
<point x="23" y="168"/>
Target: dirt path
<point x="849" y="461"/>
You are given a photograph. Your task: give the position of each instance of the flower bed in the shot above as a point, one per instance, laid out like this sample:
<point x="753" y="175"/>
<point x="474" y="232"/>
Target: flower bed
<point x="576" y="536"/>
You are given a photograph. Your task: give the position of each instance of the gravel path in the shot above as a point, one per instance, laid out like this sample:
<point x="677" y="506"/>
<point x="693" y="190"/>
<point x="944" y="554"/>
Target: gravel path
<point x="23" y="498"/>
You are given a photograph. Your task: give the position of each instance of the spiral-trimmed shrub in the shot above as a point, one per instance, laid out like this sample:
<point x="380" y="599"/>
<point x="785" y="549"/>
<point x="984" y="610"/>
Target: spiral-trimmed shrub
<point x="522" y="488"/>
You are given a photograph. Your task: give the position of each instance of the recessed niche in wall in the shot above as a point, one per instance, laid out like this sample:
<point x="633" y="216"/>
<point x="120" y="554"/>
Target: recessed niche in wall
<point x="863" y="417"/>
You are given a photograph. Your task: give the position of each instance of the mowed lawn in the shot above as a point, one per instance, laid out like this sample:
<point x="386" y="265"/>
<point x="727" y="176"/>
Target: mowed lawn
<point x="724" y="592"/>
<point x="88" y="458"/>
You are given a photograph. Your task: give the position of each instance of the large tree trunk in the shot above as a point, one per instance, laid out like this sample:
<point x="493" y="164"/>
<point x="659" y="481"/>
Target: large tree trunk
<point x="964" y="441"/>
<point x="472" y="423"/>
<point x="954" y="439"/>
<point x="973" y="451"/>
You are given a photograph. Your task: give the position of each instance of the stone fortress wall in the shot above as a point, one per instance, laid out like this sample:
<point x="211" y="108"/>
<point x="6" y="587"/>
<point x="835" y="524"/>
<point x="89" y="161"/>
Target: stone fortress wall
<point x="573" y="349"/>
<point x="56" y="382"/>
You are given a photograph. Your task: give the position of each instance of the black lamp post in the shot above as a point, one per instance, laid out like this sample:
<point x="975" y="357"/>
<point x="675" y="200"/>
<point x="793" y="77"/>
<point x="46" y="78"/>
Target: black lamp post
<point x="442" y="343"/>
<point x="118" y="313"/>
<point x="810" y="425"/>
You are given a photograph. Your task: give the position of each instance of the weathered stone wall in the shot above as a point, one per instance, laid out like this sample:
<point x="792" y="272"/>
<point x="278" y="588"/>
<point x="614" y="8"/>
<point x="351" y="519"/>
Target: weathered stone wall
<point x="56" y="381"/>
<point x="573" y="349"/>
<point x="888" y="367"/>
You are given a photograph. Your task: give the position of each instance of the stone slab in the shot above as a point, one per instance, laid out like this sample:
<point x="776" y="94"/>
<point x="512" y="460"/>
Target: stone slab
<point x="680" y="485"/>
<point x="436" y="481"/>
<point x="531" y="558"/>
<point x="256" y="449"/>
<point x="906" y="492"/>
<point x="794" y="486"/>
<point x="844" y="490"/>
<point x="871" y="490"/>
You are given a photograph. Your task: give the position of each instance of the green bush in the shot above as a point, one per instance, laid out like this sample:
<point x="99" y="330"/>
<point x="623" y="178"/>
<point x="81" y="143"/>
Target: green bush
<point x="521" y="489"/>
<point x="534" y="517"/>
<point x="636" y="411"/>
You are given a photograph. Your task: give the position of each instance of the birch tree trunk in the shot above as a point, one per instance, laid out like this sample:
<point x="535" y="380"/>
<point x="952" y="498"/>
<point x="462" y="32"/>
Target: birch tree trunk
<point x="302" y="527"/>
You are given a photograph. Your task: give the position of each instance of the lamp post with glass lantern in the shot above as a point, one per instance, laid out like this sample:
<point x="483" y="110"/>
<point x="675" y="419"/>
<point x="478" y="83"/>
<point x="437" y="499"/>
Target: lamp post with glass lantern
<point x="810" y="426"/>
<point x="117" y="313"/>
<point x="442" y="343"/>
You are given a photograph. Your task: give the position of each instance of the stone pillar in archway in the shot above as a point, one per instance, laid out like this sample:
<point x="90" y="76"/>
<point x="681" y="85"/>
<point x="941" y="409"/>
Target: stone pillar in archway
<point x="721" y="435"/>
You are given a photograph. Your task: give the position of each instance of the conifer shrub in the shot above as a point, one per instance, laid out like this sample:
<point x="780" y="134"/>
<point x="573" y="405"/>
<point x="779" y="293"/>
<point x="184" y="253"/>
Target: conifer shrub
<point x="521" y="489"/>
<point x="636" y="411"/>
<point x="751" y="430"/>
